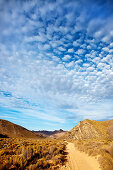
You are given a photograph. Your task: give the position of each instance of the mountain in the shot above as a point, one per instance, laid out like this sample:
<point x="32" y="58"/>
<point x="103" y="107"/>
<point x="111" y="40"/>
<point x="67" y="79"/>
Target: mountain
<point x="52" y="134"/>
<point x="91" y="129"/>
<point x="8" y="129"/>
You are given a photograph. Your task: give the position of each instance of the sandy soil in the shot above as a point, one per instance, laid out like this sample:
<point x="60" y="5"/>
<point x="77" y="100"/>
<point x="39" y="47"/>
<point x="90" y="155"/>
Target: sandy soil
<point x="79" y="161"/>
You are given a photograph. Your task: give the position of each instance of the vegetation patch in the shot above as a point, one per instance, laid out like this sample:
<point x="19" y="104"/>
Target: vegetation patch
<point x="31" y="154"/>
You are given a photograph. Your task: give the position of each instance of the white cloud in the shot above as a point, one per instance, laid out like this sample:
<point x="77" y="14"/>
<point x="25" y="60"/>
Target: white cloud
<point x="106" y="49"/>
<point x="111" y="45"/>
<point x="71" y="64"/>
<point x="90" y="69"/>
<point x="35" y="65"/>
<point x="86" y="65"/>
<point x="111" y="51"/>
<point x="106" y="39"/>
<point x="75" y="43"/>
<point x="62" y="49"/>
<point x="78" y="61"/>
<point x="66" y="57"/>
<point x="80" y="52"/>
<point x="70" y="50"/>
<point x="98" y="34"/>
<point x="46" y="47"/>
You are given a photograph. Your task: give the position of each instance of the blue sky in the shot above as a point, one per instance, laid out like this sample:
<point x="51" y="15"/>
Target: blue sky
<point x="56" y="62"/>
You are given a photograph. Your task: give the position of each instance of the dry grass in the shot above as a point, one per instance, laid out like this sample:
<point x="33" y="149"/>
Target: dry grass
<point x="101" y="148"/>
<point x="31" y="154"/>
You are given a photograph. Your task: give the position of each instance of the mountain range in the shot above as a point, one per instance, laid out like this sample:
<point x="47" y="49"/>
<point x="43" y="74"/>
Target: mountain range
<point x="52" y="134"/>
<point x="86" y="129"/>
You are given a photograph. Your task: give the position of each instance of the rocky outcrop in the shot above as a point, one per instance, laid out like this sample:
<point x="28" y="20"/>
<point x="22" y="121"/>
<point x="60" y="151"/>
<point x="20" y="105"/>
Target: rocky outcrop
<point x="91" y="129"/>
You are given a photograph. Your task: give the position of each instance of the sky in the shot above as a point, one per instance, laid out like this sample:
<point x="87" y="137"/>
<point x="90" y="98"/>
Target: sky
<point x="56" y="62"/>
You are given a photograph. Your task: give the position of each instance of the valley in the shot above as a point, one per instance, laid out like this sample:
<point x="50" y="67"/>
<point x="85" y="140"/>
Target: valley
<point x="88" y="145"/>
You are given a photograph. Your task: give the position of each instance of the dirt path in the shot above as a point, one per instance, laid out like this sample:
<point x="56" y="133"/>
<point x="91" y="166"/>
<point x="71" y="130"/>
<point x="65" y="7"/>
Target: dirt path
<point x="79" y="161"/>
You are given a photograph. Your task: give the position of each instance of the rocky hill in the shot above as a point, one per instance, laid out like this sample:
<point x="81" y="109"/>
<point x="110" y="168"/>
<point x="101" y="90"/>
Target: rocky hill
<point x="8" y="129"/>
<point x="91" y="129"/>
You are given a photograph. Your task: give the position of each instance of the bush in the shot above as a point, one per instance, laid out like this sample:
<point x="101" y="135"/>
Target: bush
<point x="31" y="154"/>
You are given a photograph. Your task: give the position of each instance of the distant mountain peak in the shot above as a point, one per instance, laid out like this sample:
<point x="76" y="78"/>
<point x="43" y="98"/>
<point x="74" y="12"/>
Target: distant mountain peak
<point x="53" y="134"/>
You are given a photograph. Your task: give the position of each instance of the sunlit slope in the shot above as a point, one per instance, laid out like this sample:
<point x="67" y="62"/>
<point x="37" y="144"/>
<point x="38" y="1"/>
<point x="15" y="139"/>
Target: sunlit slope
<point x="91" y="129"/>
<point x="12" y="130"/>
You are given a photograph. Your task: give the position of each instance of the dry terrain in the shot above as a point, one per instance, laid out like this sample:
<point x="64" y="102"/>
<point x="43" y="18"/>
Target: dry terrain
<point x="94" y="138"/>
<point x="91" y="129"/>
<point x="24" y="149"/>
<point x="12" y="130"/>
<point x="31" y="154"/>
<point x="79" y="161"/>
<point x="101" y="148"/>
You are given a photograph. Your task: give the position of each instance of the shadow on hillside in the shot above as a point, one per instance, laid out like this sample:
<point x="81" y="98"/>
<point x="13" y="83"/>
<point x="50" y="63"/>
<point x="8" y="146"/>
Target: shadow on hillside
<point x="64" y="158"/>
<point x="3" y="136"/>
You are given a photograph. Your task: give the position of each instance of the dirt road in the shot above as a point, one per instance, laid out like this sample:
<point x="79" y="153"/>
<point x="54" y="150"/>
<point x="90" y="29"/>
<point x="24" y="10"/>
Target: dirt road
<point x="79" y="161"/>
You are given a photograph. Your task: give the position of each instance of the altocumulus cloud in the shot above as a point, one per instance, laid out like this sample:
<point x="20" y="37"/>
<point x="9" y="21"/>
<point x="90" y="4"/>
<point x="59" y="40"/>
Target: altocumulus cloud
<point x="56" y="60"/>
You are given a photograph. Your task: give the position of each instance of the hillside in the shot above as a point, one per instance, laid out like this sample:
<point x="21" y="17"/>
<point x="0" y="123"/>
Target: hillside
<point x="51" y="134"/>
<point x="91" y="129"/>
<point x="8" y="129"/>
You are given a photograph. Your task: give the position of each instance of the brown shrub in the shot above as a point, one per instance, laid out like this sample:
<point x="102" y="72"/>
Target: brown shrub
<point x="31" y="154"/>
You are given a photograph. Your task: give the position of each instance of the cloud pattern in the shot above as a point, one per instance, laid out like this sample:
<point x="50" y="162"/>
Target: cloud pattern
<point x="56" y="59"/>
